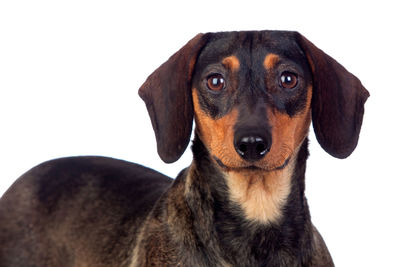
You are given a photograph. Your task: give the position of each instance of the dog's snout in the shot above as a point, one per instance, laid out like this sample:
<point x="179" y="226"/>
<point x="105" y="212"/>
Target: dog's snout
<point x="252" y="147"/>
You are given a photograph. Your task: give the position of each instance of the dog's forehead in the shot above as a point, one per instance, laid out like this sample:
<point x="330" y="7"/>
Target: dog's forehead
<point x="250" y="44"/>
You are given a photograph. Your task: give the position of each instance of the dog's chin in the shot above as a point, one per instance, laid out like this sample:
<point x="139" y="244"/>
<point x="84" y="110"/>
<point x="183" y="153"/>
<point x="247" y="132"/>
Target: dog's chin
<point x="248" y="166"/>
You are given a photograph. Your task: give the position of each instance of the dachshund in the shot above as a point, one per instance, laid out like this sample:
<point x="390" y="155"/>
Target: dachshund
<point x="241" y="202"/>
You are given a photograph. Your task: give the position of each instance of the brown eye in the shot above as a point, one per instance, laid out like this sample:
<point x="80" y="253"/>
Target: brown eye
<point x="288" y="80"/>
<point x="215" y="82"/>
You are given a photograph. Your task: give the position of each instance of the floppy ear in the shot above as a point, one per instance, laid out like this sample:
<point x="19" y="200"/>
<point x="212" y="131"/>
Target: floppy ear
<point x="337" y="102"/>
<point x="168" y="99"/>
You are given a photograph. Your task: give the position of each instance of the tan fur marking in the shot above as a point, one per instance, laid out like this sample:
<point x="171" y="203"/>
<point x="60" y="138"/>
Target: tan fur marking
<point x="231" y="62"/>
<point x="261" y="194"/>
<point x="270" y="61"/>
<point x="217" y="135"/>
<point x="287" y="132"/>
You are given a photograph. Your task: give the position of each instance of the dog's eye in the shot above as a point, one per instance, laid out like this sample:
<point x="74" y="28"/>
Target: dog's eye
<point x="288" y="80"/>
<point x="215" y="82"/>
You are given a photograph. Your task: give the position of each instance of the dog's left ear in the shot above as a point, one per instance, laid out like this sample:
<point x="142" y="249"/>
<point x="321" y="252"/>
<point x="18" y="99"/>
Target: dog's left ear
<point x="337" y="102"/>
<point x="168" y="98"/>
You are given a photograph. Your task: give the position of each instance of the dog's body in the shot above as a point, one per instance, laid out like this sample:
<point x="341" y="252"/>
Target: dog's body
<point x="240" y="203"/>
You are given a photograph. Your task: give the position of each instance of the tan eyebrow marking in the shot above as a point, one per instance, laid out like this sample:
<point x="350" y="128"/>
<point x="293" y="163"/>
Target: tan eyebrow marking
<point x="231" y="62"/>
<point x="270" y="61"/>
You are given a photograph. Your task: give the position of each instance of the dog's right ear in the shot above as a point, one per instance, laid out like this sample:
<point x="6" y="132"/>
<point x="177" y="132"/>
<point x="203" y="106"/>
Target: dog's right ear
<point x="168" y="98"/>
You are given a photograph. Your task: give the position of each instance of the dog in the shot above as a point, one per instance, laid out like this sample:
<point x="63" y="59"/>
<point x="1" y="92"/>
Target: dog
<point x="241" y="202"/>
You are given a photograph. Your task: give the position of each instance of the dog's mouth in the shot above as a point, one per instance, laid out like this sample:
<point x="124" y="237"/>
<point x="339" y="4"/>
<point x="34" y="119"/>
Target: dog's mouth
<point x="251" y="166"/>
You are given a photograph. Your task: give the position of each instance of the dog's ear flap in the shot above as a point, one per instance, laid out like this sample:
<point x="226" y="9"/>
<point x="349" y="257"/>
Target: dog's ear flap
<point x="337" y="102"/>
<point x="168" y="99"/>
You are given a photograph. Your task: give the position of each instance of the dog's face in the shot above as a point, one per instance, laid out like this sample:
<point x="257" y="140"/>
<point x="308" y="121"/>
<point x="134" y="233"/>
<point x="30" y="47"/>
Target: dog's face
<point x="252" y="95"/>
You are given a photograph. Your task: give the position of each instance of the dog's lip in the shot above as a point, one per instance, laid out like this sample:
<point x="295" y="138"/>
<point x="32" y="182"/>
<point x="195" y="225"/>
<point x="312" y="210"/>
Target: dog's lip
<point x="251" y="167"/>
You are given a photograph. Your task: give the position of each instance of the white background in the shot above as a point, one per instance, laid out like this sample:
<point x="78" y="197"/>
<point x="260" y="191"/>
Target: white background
<point x="70" y="70"/>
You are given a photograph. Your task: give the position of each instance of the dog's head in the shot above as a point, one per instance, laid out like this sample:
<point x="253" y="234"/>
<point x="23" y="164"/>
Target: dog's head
<point x="253" y="96"/>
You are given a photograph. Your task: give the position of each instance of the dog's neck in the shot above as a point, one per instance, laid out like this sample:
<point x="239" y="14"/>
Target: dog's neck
<point x="247" y="213"/>
<point x="237" y="187"/>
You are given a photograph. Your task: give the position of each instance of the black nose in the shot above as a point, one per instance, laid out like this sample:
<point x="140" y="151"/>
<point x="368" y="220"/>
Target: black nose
<point x="252" y="147"/>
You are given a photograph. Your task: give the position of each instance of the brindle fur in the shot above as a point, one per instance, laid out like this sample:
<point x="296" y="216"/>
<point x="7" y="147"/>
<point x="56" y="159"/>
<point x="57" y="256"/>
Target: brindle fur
<point x="95" y="211"/>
